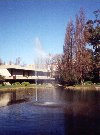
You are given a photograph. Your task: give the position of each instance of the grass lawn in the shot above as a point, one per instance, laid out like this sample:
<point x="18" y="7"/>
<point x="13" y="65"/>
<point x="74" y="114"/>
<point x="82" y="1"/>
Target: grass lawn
<point x="84" y="87"/>
<point x="19" y="86"/>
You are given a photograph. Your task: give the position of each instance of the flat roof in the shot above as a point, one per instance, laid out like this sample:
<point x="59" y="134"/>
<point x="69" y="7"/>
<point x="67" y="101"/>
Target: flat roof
<point x="22" y="68"/>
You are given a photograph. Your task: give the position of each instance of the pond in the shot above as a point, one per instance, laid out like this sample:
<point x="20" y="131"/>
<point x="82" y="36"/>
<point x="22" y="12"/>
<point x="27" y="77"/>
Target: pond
<point x="56" y="112"/>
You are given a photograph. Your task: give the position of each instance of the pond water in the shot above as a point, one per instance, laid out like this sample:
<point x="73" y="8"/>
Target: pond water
<point x="56" y="112"/>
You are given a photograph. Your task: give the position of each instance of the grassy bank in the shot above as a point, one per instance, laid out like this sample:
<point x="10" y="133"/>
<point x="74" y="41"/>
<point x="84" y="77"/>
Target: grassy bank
<point x="12" y="88"/>
<point x="33" y="86"/>
<point x="83" y="87"/>
<point x="17" y="87"/>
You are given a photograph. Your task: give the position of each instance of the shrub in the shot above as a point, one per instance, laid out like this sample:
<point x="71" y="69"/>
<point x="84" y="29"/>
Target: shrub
<point x="98" y="83"/>
<point x="1" y="85"/>
<point x="4" y="84"/>
<point x="25" y="83"/>
<point x="13" y="83"/>
<point x="88" y="83"/>
<point x="16" y="83"/>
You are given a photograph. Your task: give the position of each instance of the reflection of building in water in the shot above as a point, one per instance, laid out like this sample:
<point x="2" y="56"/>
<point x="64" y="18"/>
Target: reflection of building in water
<point x="13" y="97"/>
<point x="4" y="99"/>
<point x="18" y="95"/>
<point x="13" y="73"/>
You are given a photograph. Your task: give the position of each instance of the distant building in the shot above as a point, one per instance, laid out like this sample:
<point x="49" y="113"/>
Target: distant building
<point x="16" y="73"/>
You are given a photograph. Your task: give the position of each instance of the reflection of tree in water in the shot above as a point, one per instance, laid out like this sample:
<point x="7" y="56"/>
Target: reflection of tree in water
<point x="79" y="109"/>
<point x="82" y="118"/>
<point x="20" y="96"/>
<point x="14" y="96"/>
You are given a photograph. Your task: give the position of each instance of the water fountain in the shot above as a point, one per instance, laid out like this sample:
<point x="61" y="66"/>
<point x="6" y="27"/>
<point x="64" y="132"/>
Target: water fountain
<point x="41" y="61"/>
<point x="36" y="84"/>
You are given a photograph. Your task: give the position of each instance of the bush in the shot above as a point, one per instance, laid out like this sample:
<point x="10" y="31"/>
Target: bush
<point x="16" y="83"/>
<point x="88" y="83"/>
<point x="4" y="84"/>
<point x="13" y="83"/>
<point x="25" y="83"/>
<point x="0" y="85"/>
<point x="98" y="83"/>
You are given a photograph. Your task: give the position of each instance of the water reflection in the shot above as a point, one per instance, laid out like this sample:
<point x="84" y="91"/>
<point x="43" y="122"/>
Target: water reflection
<point x="4" y="99"/>
<point x="57" y="112"/>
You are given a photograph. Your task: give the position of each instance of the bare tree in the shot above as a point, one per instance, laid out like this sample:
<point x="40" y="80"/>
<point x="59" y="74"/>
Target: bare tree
<point x="18" y="61"/>
<point x="10" y="62"/>
<point x="1" y="62"/>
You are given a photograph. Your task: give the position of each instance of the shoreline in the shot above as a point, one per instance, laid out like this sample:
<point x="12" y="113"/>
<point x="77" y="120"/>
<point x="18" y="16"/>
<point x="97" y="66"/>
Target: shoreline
<point x="80" y="88"/>
<point x="89" y="88"/>
<point x="11" y="88"/>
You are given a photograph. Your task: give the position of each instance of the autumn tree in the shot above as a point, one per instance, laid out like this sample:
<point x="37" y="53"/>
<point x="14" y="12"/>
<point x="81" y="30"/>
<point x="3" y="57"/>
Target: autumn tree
<point x="92" y="37"/>
<point x="76" y="60"/>
<point x="92" y="34"/>
<point x="68" y="55"/>
<point x="83" y="59"/>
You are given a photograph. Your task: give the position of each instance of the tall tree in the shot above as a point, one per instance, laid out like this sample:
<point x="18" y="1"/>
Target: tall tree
<point x="92" y="37"/>
<point x="68" y="55"/>
<point x="77" y="60"/>
<point x="83" y="60"/>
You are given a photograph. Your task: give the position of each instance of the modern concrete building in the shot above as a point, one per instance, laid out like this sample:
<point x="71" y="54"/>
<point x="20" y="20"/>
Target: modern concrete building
<point x="16" y="73"/>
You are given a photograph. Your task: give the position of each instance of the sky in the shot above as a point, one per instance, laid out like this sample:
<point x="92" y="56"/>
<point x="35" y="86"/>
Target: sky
<point x="32" y="28"/>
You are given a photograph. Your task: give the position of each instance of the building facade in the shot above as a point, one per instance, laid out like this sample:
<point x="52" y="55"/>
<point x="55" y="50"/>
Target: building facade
<point x="16" y="73"/>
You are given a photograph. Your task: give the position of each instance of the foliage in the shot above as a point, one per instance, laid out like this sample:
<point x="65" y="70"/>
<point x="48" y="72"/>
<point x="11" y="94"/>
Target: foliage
<point x="92" y="36"/>
<point x="92" y="31"/>
<point x="76" y="61"/>
<point x="0" y="85"/>
<point x="83" y="58"/>
<point x="98" y="83"/>
<point x="88" y="83"/>
<point x="16" y="83"/>
<point x="25" y="83"/>
<point x="68" y="56"/>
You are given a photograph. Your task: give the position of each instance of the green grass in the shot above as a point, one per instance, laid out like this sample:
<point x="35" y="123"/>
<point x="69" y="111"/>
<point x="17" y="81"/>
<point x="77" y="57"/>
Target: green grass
<point x="86" y="86"/>
<point x="21" y="86"/>
<point x="14" y="86"/>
